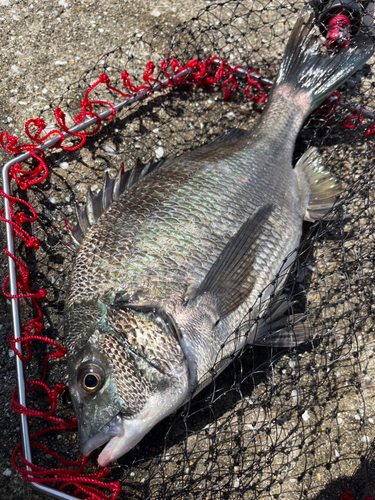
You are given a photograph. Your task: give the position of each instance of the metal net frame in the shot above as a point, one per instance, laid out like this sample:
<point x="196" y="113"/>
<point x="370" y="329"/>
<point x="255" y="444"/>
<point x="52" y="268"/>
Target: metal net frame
<point x="277" y="423"/>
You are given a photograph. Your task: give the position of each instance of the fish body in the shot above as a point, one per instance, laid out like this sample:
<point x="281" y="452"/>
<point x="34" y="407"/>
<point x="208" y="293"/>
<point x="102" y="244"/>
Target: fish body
<point x="172" y="267"/>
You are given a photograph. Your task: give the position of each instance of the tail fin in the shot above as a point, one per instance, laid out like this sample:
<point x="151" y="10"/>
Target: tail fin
<point x="305" y="68"/>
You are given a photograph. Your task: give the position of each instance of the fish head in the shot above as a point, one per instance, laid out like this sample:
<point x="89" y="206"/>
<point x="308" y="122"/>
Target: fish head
<point x="129" y="375"/>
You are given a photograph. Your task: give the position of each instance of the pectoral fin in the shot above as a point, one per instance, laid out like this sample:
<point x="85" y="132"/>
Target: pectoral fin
<point x="230" y="277"/>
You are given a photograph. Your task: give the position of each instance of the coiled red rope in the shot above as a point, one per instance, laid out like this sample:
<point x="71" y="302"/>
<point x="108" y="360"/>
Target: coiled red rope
<point x="88" y="486"/>
<point x="338" y="33"/>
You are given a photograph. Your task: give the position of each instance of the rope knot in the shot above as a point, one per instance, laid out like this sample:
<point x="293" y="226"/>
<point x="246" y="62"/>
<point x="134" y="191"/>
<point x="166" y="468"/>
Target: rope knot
<point x="59" y="114"/>
<point x="33" y="242"/>
<point x="59" y="389"/>
<point x="20" y="218"/>
<point x="9" y="142"/>
<point x="39" y="122"/>
<point x="338" y="34"/>
<point x="41" y="294"/>
<point x="103" y="78"/>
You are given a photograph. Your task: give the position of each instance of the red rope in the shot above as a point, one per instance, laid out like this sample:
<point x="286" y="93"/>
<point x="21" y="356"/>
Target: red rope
<point x="347" y="495"/>
<point x="355" y="120"/>
<point x="88" y="486"/>
<point x="338" y="33"/>
<point x="261" y="96"/>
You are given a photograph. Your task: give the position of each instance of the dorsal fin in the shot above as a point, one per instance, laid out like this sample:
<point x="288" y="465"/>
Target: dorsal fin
<point x="234" y="133"/>
<point x="111" y="191"/>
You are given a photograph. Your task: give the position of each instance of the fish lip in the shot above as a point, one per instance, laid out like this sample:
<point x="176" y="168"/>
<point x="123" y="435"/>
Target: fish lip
<point x="120" y="444"/>
<point x="112" y="429"/>
<point x="108" y="454"/>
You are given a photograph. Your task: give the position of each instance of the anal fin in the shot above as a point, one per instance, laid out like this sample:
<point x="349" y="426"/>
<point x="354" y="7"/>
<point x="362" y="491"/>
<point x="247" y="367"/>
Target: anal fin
<point x="295" y="332"/>
<point x="279" y="329"/>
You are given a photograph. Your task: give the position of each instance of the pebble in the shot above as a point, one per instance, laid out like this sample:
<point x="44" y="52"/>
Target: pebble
<point x="159" y="152"/>
<point x="7" y="472"/>
<point x="305" y="416"/>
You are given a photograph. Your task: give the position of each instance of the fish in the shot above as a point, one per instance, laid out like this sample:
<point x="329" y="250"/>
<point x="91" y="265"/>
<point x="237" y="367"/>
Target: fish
<point x="182" y="263"/>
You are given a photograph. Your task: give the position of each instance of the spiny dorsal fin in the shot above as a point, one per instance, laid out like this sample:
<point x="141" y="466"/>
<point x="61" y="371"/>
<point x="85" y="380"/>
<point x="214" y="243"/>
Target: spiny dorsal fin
<point x="111" y="191"/>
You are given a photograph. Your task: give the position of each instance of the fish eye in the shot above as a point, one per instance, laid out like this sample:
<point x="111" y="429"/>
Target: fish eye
<point x="91" y="377"/>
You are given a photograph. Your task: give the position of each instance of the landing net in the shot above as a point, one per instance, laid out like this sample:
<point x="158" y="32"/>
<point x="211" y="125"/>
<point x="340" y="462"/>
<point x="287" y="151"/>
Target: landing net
<point x="282" y="424"/>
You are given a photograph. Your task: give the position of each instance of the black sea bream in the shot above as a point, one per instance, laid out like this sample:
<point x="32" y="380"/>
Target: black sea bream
<point x="166" y="274"/>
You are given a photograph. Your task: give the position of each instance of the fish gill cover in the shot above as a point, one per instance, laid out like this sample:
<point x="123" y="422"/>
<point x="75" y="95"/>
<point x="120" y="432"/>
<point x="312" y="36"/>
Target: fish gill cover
<point x="277" y="423"/>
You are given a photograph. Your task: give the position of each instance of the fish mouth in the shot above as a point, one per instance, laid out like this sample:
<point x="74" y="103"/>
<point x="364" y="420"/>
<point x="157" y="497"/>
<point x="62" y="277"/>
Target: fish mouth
<point x="120" y="434"/>
<point x="125" y="431"/>
<point x="114" y="429"/>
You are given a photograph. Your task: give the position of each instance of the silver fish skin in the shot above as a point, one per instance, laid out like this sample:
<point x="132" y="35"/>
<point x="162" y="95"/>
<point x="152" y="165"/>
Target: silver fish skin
<point x="165" y="276"/>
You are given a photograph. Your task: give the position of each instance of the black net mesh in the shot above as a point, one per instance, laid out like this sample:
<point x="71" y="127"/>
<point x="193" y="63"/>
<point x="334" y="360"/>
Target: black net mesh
<point x="276" y="423"/>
